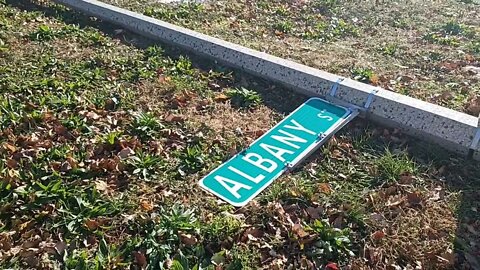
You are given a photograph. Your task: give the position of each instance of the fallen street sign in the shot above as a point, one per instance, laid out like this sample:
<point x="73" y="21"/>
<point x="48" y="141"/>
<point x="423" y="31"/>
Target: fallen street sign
<point x="245" y="175"/>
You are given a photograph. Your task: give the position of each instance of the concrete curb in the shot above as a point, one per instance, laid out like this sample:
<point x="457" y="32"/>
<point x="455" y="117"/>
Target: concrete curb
<point x="452" y="130"/>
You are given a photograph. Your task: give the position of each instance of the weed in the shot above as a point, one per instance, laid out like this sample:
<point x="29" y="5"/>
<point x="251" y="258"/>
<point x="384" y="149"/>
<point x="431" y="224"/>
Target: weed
<point x="43" y="33"/>
<point x="146" y="126"/>
<point x="364" y="75"/>
<point x="284" y="26"/>
<point x="145" y="164"/>
<point x="154" y="52"/>
<point x="96" y="38"/>
<point x="191" y="160"/>
<point x="222" y="226"/>
<point x="282" y="11"/>
<point x="475" y="2"/>
<point x="75" y="122"/>
<point x="10" y="111"/>
<point x="332" y="244"/>
<point x="111" y="138"/>
<point x="161" y="235"/>
<point x="243" y="97"/>
<point x="183" y="66"/>
<point x="188" y="9"/>
<point x="390" y="49"/>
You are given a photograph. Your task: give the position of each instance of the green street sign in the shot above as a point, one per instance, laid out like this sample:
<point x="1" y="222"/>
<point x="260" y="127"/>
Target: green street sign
<point x="241" y="178"/>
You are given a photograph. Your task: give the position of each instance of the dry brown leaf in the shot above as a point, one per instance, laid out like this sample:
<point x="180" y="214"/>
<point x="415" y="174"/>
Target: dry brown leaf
<point x="325" y="188"/>
<point x="9" y="147"/>
<point x="414" y="198"/>
<point x="338" y="222"/>
<point x="34" y="242"/>
<point x="25" y="226"/>
<point x="48" y="116"/>
<point x="337" y="154"/>
<point x="174" y="118"/>
<point x="473" y="106"/>
<point x="167" y="193"/>
<point x="374" y="79"/>
<point x="221" y="98"/>
<point x="332" y="266"/>
<point x="56" y="166"/>
<point x="126" y="152"/>
<point x="298" y="230"/>
<point x="60" y="130"/>
<point x="12" y="163"/>
<point x="146" y="205"/>
<point x="378" y="235"/>
<point x="72" y="162"/>
<point x="315" y="213"/>
<point x="406" y="179"/>
<point x="102" y="186"/>
<point x="92" y="224"/>
<point x="92" y="115"/>
<point x="110" y="104"/>
<point x="110" y="164"/>
<point x="60" y="247"/>
<point x="6" y="241"/>
<point x="188" y="239"/>
<point x="394" y="201"/>
<point x="140" y="258"/>
<point x="252" y="234"/>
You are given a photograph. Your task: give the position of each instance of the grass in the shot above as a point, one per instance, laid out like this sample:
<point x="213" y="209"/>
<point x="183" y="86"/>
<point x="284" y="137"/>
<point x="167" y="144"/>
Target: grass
<point x="336" y="35"/>
<point x="102" y="143"/>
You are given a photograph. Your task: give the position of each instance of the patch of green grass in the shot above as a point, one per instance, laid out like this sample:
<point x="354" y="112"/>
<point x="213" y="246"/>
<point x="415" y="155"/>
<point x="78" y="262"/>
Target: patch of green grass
<point x="450" y="33"/>
<point x="474" y="46"/>
<point x="10" y="111"/>
<point x="159" y="236"/>
<point x="244" y="257"/>
<point x="391" y="166"/>
<point x="332" y="30"/>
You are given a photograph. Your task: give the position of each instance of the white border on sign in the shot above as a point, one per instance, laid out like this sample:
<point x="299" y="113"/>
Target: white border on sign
<point x="349" y="114"/>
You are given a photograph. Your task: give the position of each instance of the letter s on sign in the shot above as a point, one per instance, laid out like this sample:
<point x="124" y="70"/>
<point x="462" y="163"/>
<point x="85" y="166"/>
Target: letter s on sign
<point x="326" y="117"/>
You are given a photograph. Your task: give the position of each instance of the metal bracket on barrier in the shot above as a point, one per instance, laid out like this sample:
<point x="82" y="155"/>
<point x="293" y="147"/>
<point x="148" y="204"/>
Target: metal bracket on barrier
<point x="370" y="98"/>
<point x="333" y="90"/>
<point x="476" y="138"/>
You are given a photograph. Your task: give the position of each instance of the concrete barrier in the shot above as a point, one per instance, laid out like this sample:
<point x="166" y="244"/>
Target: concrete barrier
<point x="450" y="129"/>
